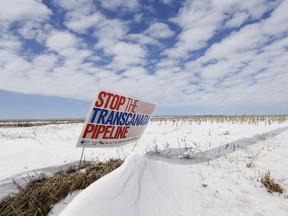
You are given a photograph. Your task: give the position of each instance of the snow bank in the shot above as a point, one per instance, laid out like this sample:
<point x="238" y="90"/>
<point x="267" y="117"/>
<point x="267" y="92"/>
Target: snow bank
<point x="145" y="187"/>
<point x="223" y="178"/>
<point x="139" y="187"/>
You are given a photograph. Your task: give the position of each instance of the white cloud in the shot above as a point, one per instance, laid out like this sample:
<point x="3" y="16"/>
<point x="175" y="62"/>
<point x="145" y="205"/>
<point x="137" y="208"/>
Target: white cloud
<point x="18" y="65"/>
<point x="192" y="18"/>
<point x="189" y="40"/>
<point x="136" y="73"/>
<point x="159" y="30"/>
<point x="249" y="37"/>
<point x="131" y="5"/>
<point x="81" y="24"/>
<point x="127" y="49"/>
<point x="45" y="62"/>
<point x="200" y="21"/>
<point x="61" y="40"/>
<point x="127" y="55"/>
<point x="142" y="39"/>
<point x="247" y="65"/>
<point x="237" y="19"/>
<point x="137" y="18"/>
<point x="10" y="44"/>
<point x="278" y="45"/>
<point x="277" y="23"/>
<point x="243" y="68"/>
<point x="17" y="17"/>
<point x="74" y="58"/>
<point x="167" y="63"/>
<point x="194" y="13"/>
<point x="101" y="28"/>
<point x="255" y="8"/>
<point x="107" y="38"/>
<point x="35" y="31"/>
<point x="13" y="10"/>
<point x="108" y="32"/>
<point x="13" y="68"/>
<point x="23" y="20"/>
<point x="81" y="6"/>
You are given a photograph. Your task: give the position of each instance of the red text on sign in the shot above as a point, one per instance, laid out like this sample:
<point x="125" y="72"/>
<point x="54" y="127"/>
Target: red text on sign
<point x="110" y="100"/>
<point x="131" y="105"/>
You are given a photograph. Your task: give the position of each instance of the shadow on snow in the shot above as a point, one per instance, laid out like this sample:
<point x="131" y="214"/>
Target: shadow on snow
<point x="194" y="155"/>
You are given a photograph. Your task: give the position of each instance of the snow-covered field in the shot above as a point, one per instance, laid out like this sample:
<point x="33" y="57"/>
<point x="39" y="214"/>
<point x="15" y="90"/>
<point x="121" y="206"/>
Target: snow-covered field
<point x="179" y="167"/>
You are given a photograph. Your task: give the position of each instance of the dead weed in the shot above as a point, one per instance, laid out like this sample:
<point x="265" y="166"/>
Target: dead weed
<point x="270" y="184"/>
<point x="39" y="196"/>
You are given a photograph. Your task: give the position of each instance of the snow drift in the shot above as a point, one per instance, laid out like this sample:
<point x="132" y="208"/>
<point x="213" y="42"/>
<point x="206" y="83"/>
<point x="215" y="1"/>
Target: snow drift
<point x="222" y="176"/>
<point x="144" y="187"/>
<point x="139" y="187"/>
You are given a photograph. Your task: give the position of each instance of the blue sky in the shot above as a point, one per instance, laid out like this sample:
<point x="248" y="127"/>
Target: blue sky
<point x="190" y="57"/>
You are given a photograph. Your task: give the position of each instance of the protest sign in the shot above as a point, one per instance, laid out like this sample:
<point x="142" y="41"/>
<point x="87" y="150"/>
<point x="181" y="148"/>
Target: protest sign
<point x="114" y="120"/>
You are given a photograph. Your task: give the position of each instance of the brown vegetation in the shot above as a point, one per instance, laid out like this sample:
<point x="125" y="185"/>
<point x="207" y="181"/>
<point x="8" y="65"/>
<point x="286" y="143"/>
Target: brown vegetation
<point x="250" y="119"/>
<point x="31" y="123"/>
<point x="39" y="196"/>
<point x="270" y="184"/>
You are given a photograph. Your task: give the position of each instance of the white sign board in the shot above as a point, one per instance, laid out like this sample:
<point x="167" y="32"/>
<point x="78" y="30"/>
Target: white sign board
<point x="114" y="120"/>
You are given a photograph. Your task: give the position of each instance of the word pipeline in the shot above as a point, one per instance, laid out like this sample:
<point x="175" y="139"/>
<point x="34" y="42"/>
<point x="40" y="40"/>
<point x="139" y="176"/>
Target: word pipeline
<point x="113" y="116"/>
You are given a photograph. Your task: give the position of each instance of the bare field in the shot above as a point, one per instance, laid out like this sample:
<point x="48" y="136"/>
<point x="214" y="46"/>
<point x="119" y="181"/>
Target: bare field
<point x="251" y="119"/>
<point x="210" y="162"/>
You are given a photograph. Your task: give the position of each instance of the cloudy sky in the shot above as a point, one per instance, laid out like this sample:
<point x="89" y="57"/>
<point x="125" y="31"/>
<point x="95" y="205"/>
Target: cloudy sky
<point x="189" y="57"/>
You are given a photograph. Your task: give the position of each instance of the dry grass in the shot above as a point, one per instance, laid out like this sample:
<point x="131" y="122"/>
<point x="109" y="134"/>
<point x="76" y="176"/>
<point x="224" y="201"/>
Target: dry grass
<point x="32" y="123"/>
<point x="250" y="119"/>
<point x="270" y="184"/>
<point x="39" y="196"/>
